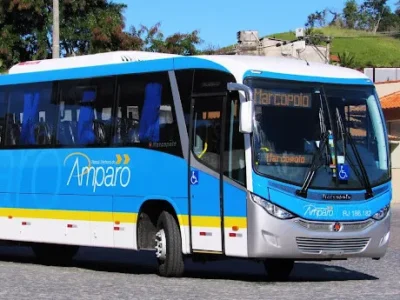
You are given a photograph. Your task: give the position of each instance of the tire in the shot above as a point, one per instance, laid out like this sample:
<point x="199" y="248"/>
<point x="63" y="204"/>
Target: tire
<point x="279" y="269"/>
<point x="171" y="262"/>
<point x="51" y="254"/>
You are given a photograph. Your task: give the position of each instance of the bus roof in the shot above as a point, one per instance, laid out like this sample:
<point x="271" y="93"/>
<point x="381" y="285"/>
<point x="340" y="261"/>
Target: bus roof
<point x="90" y="60"/>
<point x="104" y="64"/>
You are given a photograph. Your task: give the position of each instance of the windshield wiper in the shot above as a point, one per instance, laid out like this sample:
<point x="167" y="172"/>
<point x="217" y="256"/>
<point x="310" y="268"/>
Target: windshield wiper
<point x="315" y="165"/>
<point x="364" y="175"/>
<point x="316" y="162"/>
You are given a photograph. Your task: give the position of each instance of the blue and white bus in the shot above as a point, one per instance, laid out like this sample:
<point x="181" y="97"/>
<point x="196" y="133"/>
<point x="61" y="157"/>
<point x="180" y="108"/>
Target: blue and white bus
<point x="270" y="159"/>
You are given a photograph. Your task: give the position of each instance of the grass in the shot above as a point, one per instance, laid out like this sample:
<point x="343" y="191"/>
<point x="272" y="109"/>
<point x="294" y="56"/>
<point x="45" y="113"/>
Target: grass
<point x="368" y="49"/>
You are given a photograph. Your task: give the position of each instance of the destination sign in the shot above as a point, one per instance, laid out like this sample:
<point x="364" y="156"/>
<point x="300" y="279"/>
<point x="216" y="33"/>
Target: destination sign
<point x="285" y="159"/>
<point x="272" y="98"/>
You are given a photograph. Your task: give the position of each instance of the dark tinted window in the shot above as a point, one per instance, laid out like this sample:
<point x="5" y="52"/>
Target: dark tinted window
<point x="146" y="116"/>
<point x="207" y="136"/>
<point x="85" y="112"/>
<point x="207" y="119"/>
<point x="3" y="114"/>
<point x="31" y="115"/>
<point x="200" y="81"/>
<point x="234" y="155"/>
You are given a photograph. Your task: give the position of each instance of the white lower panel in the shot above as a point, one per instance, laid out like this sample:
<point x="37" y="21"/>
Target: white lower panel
<point x="236" y="242"/>
<point x="125" y="236"/>
<point x="9" y="228"/>
<point x="83" y="233"/>
<point x="76" y="232"/>
<point x="206" y="239"/>
<point x="102" y="234"/>
<point x="185" y="234"/>
<point x="107" y="234"/>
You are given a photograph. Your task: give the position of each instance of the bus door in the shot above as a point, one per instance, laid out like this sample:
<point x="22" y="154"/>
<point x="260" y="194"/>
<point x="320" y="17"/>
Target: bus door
<point x="206" y="140"/>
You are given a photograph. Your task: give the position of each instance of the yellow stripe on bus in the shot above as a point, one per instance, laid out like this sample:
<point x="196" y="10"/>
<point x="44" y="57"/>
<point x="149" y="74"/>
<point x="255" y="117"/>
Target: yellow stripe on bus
<point x="95" y="216"/>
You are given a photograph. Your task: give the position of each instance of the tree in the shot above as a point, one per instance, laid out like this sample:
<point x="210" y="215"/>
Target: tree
<point x="178" y="43"/>
<point x="337" y="19"/>
<point x="350" y="14"/>
<point x="86" y="27"/>
<point x="317" y="18"/>
<point x="374" y="11"/>
<point x="390" y="21"/>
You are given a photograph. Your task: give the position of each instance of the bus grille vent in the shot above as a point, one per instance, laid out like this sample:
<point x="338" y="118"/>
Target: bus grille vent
<point x="327" y="226"/>
<point x="333" y="246"/>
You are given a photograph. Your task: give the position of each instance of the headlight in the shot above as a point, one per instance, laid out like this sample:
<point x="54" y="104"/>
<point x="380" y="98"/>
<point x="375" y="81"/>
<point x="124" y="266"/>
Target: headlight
<point x="272" y="209"/>
<point x="382" y="213"/>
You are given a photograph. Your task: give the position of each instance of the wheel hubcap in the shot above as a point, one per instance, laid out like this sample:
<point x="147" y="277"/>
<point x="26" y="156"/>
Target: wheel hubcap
<point x="161" y="249"/>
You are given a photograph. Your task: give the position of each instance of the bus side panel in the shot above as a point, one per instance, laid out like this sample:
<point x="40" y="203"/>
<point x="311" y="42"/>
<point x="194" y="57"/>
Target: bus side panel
<point x="235" y="220"/>
<point x="8" y="226"/>
<point x="86" y="196"/>
<point x="8" y="229"/>
<point x="124" y="217"/>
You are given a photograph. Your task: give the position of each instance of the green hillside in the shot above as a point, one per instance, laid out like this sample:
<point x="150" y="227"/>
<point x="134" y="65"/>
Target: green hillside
<point x="368" y="49"/>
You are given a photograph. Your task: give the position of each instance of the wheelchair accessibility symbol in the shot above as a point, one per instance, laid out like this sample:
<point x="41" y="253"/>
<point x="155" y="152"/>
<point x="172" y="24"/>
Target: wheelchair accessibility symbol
<point x="344" y="172"/>
<point x="194" y="178"/>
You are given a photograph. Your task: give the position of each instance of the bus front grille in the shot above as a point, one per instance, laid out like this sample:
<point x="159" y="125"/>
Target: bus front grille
<point x="327" y="226"/>
<point x="331" y="246"/>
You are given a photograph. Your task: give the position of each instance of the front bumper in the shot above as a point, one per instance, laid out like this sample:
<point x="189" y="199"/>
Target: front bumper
<point x="269" y="237"/>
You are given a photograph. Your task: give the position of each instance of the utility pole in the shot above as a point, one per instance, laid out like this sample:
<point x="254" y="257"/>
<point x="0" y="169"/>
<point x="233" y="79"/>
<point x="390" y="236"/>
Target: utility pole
<point x="328" y="49"/>
<point x="56" y="29"/>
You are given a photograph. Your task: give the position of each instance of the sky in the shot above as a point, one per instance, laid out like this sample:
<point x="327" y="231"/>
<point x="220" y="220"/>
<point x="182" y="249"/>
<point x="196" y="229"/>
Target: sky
<point x="219" y="20"/>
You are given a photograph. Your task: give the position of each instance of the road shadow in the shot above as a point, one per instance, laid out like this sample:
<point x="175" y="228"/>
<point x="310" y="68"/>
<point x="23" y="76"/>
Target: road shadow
<point x="135" y="263"/>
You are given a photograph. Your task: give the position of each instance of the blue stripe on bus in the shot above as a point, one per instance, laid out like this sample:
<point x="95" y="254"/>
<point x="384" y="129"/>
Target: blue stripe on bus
<point x="164" y="64"/>
<point x="310" y="79"/>
<point x="53" y="175"/>
<point x="121" y="180"/>
<point x="322" y="210"/>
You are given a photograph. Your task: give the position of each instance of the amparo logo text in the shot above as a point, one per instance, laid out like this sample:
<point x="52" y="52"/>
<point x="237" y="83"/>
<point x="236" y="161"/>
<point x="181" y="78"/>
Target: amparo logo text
<point x="86" y="172"/>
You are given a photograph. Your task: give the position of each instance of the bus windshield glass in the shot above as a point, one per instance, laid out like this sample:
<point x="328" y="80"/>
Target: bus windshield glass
<point x="338" y="128"/>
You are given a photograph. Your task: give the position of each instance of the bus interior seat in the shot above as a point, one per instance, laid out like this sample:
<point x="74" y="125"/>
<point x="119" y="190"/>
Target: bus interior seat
<point x="100" y="131"/>
<point x="13" y="131"/>
<point x="149" y="125"/>
<point x="43" y="133"/>
<point x="119" y="131"/>
<point x="30" y="113"/>
<point x="66" y="132"/>
<point x="132" y="132"/>
<point x="126" y="131"/>
<point x="85" y="130"/>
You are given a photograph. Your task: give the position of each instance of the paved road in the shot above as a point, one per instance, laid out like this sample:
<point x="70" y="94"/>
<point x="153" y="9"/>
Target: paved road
<point x="110" y="274"/>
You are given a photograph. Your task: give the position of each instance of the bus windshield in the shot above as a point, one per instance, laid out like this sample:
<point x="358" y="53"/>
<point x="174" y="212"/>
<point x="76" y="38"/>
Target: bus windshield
<point x="339" y="126"/>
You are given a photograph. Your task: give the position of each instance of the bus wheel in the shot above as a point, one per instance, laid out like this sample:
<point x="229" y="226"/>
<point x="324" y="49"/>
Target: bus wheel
<point x="279" y="269"/>
<point x="54" y="254"/>
<point x="169" y="246"/>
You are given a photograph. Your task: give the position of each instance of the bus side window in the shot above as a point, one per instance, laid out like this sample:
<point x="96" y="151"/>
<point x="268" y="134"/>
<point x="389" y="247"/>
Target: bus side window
<point x="146" y="115"/>
<point x="85" y="112"/>
<point x="30" y="119"/>
<point x="234" y="155"/>
<point x="207" y="120"/>
<point x="207" y="131"/>
<point x="3" y="114"/>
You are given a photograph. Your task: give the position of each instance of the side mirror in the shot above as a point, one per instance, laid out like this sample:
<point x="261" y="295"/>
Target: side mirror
<point x="246" y="108"/>
<point x="246" y="117"/>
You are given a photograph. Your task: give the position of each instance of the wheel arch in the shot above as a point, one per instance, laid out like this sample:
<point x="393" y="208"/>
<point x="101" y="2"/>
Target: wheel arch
<point x="147" y="216"/>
